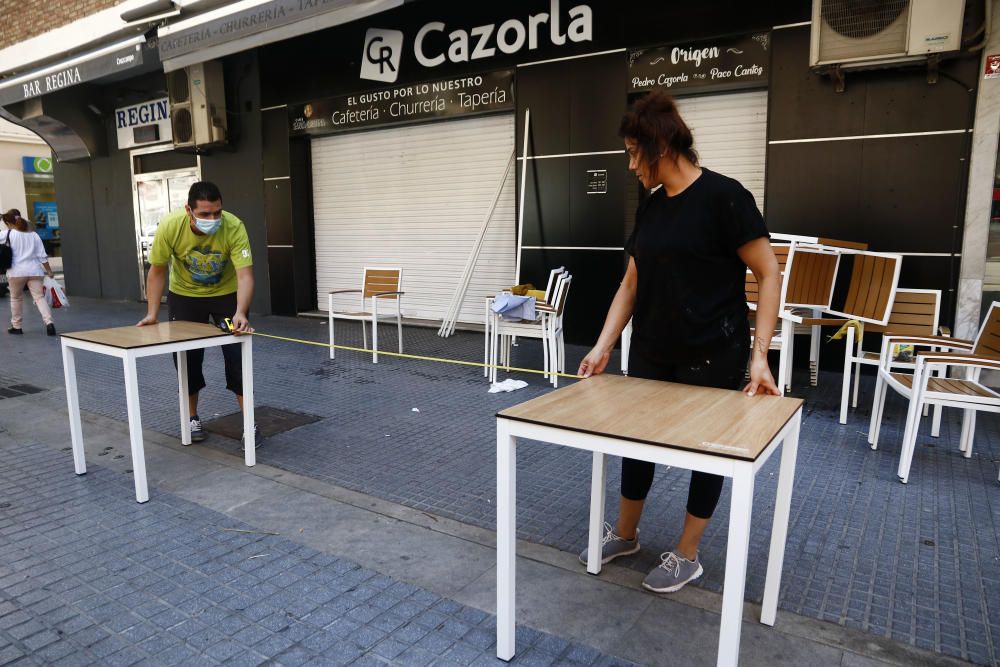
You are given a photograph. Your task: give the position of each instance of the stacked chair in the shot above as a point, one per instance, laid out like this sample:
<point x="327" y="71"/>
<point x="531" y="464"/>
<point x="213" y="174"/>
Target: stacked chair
<point x="547" y="326"/>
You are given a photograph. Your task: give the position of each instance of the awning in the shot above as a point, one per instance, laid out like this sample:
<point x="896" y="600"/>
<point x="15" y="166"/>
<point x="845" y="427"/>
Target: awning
<point x="251" y="23"/>
<point x="98" y="63"/>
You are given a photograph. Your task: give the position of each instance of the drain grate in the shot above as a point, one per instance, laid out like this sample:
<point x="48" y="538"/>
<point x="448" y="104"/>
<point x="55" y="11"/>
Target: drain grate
<point x="15" y="390"/>
<point x="271" y="421"/>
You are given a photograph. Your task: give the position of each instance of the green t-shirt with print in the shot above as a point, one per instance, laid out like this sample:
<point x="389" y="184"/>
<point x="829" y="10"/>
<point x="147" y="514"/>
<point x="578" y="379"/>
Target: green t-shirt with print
<point x="201" y="265"/>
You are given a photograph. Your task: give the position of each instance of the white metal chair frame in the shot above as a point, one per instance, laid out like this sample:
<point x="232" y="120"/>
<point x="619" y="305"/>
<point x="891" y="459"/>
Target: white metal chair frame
<point x="372" y="316"/>
<point x="550" y="288"/>
<point x="548" y="327"/>
<point x="967" y="394"/>
<point x="855" y="356"/>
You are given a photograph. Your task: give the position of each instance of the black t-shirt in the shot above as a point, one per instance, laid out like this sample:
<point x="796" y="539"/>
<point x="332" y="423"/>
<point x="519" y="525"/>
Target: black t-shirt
<point x="691" y="282"/>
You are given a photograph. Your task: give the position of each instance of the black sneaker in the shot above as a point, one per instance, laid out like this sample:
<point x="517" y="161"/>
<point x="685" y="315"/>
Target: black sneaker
<point x="50" y="329"/>
<point x="257" y="437"/>
<point x="16" y="332"/>
<point x="197" y="435"/>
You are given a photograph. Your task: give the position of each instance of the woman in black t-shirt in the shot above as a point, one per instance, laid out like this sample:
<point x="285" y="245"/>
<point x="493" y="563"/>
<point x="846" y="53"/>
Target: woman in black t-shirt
<point x="694" y="238"/>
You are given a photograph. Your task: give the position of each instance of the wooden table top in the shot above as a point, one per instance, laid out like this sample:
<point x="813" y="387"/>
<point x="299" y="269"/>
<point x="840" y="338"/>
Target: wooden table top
<point x="131" y="337"/>
<point x="711" y="421"/>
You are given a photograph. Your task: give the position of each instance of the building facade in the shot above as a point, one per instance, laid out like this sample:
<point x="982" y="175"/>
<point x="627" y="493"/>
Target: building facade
<point x="426" y="130"/>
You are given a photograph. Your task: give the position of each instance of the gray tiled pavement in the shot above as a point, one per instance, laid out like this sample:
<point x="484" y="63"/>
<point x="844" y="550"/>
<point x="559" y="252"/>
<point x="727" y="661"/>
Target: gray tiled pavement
<point x="87" y="576"/>
<point x="917" y="563"/>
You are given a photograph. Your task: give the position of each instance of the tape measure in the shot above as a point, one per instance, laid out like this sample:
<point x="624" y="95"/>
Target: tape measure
<point x="227" y="325"/>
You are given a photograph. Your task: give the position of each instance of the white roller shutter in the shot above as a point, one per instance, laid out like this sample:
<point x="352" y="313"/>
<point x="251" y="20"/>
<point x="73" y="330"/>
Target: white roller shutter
<point x="730" y="135"/>
<point x="415" y="197"/>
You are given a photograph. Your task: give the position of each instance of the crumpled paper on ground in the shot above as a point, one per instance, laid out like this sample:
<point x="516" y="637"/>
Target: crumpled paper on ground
<point x="509" y="384"/>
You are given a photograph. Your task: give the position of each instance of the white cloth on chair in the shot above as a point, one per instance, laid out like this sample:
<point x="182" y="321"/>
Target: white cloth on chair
<point x="513" y="307"/>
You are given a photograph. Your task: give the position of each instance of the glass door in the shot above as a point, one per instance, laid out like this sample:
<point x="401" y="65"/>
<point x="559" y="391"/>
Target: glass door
<point x="156" y="195"/>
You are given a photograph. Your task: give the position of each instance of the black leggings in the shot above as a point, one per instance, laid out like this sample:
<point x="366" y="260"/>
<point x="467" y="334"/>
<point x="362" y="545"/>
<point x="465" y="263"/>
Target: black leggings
<point x="722" y="365"/>
<point x="203" y="309"/>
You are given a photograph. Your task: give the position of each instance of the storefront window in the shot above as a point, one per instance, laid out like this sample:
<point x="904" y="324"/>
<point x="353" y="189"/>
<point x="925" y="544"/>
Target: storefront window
<point x="40" y="196"/>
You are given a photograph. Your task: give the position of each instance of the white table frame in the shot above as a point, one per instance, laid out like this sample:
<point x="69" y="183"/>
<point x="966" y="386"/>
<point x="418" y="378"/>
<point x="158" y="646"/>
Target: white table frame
<point x="741" y="471"/>
<point x="129" y="357"/>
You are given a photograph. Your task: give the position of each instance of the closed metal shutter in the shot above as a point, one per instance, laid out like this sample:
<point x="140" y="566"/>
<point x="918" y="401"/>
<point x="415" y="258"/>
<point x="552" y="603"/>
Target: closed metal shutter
<point x="730" y="136"/>
<point x="415" y="197"/>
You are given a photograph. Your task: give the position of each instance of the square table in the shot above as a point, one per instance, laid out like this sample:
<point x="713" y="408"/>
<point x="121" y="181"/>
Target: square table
<point x="131" y="343"/>
<point x="716" y="431"/>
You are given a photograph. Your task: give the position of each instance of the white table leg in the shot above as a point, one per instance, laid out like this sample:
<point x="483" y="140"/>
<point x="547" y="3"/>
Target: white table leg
<point x="506" y="539"/>
<point x="787" y="333"/>
<point x="598" y="474"/>
<point x="845" y="388"/>
<point x="737" y="548"/>
<point x="182" y="395"/>
<point x="779" y="525"/>
<point x="249" y="441"/>
<point x="135" y="429"/>
<point x="73" y="405"/>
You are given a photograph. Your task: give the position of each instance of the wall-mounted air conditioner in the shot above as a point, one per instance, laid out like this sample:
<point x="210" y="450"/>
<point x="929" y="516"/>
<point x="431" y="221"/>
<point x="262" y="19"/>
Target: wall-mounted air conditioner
<point x="875" y="33"/>
<point x="197" y="105"/>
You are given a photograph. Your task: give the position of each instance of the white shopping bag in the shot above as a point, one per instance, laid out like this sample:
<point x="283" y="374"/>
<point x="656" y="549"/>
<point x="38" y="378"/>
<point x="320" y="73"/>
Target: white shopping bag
<point x="54" y="293"/>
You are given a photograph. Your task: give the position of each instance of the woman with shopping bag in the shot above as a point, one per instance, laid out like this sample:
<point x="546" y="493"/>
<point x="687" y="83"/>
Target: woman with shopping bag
<point x="28" y="264"/>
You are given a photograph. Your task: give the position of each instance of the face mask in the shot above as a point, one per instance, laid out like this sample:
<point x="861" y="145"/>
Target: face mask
<point x="207" y="226"/>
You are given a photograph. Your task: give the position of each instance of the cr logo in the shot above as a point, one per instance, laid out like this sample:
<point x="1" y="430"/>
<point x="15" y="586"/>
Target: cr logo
<point x="382" y="52"/>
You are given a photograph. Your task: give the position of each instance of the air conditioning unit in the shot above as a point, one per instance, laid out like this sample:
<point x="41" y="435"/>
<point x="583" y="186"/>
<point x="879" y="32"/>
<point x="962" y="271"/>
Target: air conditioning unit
<point x="197" y="105"/>
<point x="855" y="34"/>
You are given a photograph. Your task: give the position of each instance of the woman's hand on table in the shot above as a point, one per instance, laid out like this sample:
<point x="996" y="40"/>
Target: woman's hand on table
<point x="594" y="363"/>
<point x="761" y="380"/>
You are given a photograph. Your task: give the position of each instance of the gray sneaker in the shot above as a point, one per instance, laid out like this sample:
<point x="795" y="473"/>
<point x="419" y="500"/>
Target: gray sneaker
<point x="197" y="434"/>
<point x="672" y="573"/>
<point x="614" y="546"/>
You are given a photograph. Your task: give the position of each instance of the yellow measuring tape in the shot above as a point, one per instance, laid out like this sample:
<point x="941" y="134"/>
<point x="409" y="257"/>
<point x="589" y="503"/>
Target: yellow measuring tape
<point x="227" y="326"/>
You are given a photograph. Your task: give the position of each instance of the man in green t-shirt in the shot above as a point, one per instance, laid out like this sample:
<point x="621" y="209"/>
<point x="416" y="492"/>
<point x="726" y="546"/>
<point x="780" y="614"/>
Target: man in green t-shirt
<point x="211" y="278"/>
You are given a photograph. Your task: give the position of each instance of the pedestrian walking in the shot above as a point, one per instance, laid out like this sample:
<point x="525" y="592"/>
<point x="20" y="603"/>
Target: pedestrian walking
<point x="684" y="289"/>
<point x="211" y="278"/>
<point x="28" y="265"/>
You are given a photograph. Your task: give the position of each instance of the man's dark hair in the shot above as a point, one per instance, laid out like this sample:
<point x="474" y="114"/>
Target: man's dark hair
<point x="656" y="126"/>
<point x="203" y="191"/>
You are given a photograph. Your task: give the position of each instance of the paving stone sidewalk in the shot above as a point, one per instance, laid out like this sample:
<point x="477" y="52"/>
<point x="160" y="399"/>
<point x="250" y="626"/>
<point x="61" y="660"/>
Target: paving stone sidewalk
<point x="918" y="563"/>
<point x="88" y="576"/>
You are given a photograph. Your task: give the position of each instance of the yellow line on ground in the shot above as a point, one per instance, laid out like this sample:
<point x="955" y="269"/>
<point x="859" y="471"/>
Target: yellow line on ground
<point x="441" y="360"/>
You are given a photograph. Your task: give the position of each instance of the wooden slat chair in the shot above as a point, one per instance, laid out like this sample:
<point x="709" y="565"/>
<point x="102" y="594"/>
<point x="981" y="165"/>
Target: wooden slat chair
<point x="915" y="312"/>
<point x="550" y="288"/>
<point x="815" y="332"/>
<point x="378" y="284"/>
<point x="924" y="388"/>
<point x="547" y="326"/>
<point x="870" y="294"/>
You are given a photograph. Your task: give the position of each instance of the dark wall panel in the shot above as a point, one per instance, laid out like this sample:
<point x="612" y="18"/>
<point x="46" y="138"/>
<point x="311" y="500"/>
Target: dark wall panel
<point x="237" y="169"/>
<point x="596" y="275"/>
<point x="814" y="189"/>
<point x="596" y="219"/>
<point x="546" y="203"/>
<point x="275" y="142"/>
<point x="912" y="192"/>
<point x="300" y="157"/>
<point x="75" y="199"/>
<point x="278" y="212"/>
<point x="802" y="105"/>
<point x="281" y="262"/>
<point x="116" y="236"/>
